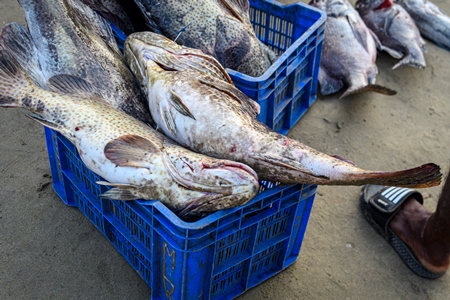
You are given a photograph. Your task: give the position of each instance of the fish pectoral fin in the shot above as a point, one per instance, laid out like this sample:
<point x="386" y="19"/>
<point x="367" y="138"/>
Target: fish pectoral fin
<point x="168" y="120"/>
<point x="250" y="106"/>
<point x="394" y="53"/>
<point x="287" y="163"/>
<point x="46" y="123"/>
<point x="357" y="32"/>
<point x="119" y="194"/>
<point x="328" y="84"/>
<point x="344" y="159"/>
<point x="72" y="85"/>
<point x="239" y="9"/>
<point x="389" y="19"/>
<point x="130" y="151"/>
<point x="179" y="105"/>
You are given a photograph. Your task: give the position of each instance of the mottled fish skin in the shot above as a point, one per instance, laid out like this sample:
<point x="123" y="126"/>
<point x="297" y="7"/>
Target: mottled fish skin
<point x="433" y="23"/>
<point x="113" y="11"/>
<point x="136" y="160"/>
<point x="349" y="50"/>
<point x="220" y="28"/>
<point x="396" y="30"/>
<point x="208" y="116"/>
<point x="72" y="39"/>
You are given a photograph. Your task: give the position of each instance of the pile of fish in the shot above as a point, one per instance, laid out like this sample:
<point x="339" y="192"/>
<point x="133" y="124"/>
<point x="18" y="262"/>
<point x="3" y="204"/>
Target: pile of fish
<point x="208" y="150"/>
<point x="352" y="37"/>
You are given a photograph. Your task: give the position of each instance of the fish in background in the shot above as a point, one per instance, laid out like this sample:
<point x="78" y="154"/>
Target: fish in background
<point x="433" y="23"/>
<point x="211" y="116"/>
<point x="349" y="51"/>
<point x="136" y="160"/>
<point x="396" y="30"/>
<point x="70" y="38"/>
<point x="219" y="28"/>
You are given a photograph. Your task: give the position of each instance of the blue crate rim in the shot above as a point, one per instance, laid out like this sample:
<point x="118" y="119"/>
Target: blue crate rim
<point x="288" y="52"/>
<point x="208" y="220"/>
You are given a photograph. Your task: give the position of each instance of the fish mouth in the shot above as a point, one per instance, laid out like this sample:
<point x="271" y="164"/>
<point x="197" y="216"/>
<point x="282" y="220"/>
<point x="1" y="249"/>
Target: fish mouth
<point x="220" y="177"/>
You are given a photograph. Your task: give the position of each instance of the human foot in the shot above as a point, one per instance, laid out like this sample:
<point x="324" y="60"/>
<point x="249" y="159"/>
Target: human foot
<point x="381" y="205"/>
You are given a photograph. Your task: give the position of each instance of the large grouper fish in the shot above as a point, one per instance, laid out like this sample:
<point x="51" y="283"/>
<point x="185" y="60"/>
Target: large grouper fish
<point x="136" y="160"/>
<point x="72" y="39"/>
<point x="220" y="28"/>
<point x="211" y="116"/>
<point x="433" y="23"/>
<point x="349" y="51"/>
<point x="396" y="30"/>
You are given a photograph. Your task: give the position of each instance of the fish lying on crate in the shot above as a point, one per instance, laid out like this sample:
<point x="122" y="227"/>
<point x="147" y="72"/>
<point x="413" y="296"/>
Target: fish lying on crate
<point x="211" y="116"/>
<point x="349" y="51"/>
<point x="398" y="34"/>
<point x="433" y="23"/>
<point x="136" y="160"/>
<point x="72" y="39"/>
<point x="220" y="28"/>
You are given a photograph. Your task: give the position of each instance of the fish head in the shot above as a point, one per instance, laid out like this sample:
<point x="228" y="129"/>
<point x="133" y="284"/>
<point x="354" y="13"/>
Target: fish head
<point x="142" y="47"/>
<point x="222" y="183"/>
<point x="363" y="5"/>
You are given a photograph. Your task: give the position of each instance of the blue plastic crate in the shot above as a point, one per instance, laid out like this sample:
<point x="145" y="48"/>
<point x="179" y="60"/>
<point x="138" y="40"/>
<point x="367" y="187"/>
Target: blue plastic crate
<point x="289" y="87"/>
<point x="217" y="257"/>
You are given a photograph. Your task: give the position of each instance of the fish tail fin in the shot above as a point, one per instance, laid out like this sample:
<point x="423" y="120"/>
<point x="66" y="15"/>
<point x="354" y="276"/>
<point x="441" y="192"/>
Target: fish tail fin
<point x="14" y="83"/>
<point x="409" y="60"/>
<point x="369" y="88"/>
<point x="16" y="39"/>
<point x="427" y="175"/>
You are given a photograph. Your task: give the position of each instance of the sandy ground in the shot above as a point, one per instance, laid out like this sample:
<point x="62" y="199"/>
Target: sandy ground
<point x="51" y="251"/>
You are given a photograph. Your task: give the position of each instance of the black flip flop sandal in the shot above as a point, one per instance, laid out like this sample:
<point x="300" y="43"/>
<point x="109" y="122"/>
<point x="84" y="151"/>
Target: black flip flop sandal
<point x="380" y="204"/>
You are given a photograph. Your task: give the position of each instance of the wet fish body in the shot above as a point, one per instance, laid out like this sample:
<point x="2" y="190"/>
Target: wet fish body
<point x="219" y="28"/>
<point x="349" y="51"/>
<point x="211" y="116"/>
<point x="396" y="30"/>
<point x="433" y="23"/>
<point x="72" y="39"/>
<point x="137" y="161"/>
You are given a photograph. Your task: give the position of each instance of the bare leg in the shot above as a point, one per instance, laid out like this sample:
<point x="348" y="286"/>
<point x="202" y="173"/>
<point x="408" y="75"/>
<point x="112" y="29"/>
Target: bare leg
<point x="426" y="233"/>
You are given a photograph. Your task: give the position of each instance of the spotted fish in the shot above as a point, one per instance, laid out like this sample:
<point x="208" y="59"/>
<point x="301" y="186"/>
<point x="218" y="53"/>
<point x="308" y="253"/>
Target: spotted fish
<point x="396" y="30"/>
<point x="211" y="116"/>
<point x="220" y="28"/>
<point x="349" y="51"/>
<point x="71" y="38"/>
<point x="433" y="23"/>
<point x="136" y="160"/>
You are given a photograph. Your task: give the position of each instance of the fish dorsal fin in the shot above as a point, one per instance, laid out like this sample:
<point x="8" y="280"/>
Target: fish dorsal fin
<point x="73" y="85"/>
<point x="239" y="9"/>
<point x="247" y="103"/>
<point x="130" y="151"/>
<point x="288" y="163"/>
<point x="179" y="105"/>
